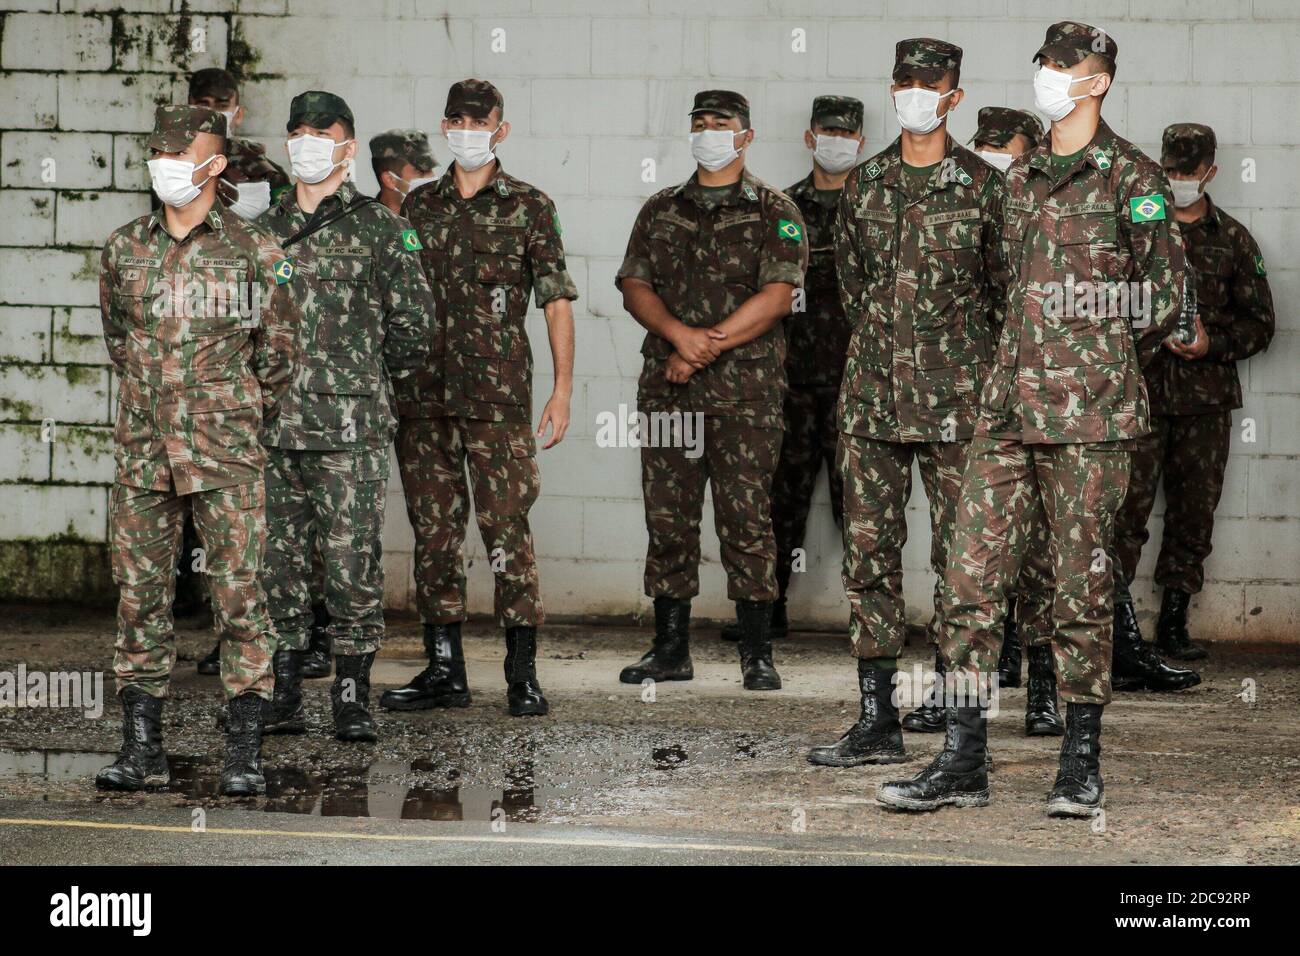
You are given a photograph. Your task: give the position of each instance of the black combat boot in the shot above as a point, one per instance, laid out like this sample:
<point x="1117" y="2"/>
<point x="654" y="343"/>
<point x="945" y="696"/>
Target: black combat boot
<point x="669" y="657"/>
<point x="958" y="776"/>
<point x="242" y="774"/>
<point x="1135" y="663"/>
<point x="780" y="624"/>
<point x="1042" y="719"/>
<point x="755" y="619"/>
<point x="877" y="737"/>
<point x="350" y="698"/>
<point x="523" y="692"/>
<point x="1172" y="639"/>
<point x="141" y="762"/>
<point x="929" y="717"/>
<point x="316" y="661"/>
<point x="1009" y="659"/>
<point x="210" y="666"/>
<point x="284" y="714"/>
<point x="443" y="682"/>
<point x="1078" y="791"/>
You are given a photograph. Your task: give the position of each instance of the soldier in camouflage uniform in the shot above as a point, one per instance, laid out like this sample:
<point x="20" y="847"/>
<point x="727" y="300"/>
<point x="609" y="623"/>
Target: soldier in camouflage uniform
<point x="367" y="324"/>
<point x="402" y="161"/>
<point x="916" y="254"/>
<point x="1098" y="270"/>
<point x="712" y="267"/>
<point x="200" y="326"/>
<point x="1193" y="388"/>
<point x="489" y="240"/>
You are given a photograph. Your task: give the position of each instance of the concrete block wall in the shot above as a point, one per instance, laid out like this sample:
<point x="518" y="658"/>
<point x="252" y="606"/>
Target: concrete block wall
<point x="593" y="90"/>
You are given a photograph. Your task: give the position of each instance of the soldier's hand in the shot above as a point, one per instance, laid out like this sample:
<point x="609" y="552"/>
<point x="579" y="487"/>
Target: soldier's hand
<point x="678" y="370"/>
<point x="555" y="414"/>
<point x="1195" y="349"/>
<point x="699" y="346"/>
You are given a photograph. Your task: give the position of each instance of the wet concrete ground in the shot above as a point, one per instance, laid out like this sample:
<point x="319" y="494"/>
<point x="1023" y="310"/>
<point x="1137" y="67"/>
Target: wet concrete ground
<point x="706" y="772"/>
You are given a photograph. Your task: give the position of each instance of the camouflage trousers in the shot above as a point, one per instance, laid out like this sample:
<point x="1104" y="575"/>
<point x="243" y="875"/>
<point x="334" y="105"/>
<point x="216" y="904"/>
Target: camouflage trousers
<point x="810" y="438"/>
<point x="1190" y="453"/>
<point x="1079" y="488"/>
<point x="434" y="455"/>
<point x="145" y="530"/>
<point x="332" y="501"/>
<point x="736" y="460"/>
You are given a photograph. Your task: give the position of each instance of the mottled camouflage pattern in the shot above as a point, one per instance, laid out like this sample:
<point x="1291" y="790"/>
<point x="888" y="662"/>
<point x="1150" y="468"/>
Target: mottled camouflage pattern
<point x="923" y="286"/>
<point x="1069" y="42"/>
<point x="818" y="338"/>
<point x="704" y="259"/>
<point x="1076" y="378"/>
<point x="998" y="124"/>
<point x="1080" y="487"/>
<point x="433" y="454"/>
<point x="838" y="112"/>
<point x="810" y="439"/>
<point x="318" y="109"/>
<point x="332" y="501"/>
<point x="877" y="485"/>
<point x="483" y="256"/>
<point x="367" y="321"/>
<point x="1236" y="308"/>
<point x="925" y="58"/>
<point x="194" y="390"/>
<point x="1190" y="452"/>
<point x="726" y="103"/>
<point x="247" y="162"/>
<point x="174" y="127"/>
<point x="473" y="98"/>
<point x="145" y="532"/>
<point x="1184" y="146"/>
<point x="405" y="146"/>
<point x="737" y="464"/>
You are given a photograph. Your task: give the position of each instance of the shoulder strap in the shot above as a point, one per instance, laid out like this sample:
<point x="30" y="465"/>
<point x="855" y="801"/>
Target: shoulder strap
<point x="315" y="225"/>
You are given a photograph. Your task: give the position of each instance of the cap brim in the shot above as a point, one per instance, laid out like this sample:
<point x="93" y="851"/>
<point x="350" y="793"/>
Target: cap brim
<point x="1061" y="54"/>
<point x="172" y="141"/>
<point x="314" y="120"/>
<point x="838" y="122"/>
<point x="997" y="137"/>
<point x="730" y="114"/>
<point x="931" y="74"/>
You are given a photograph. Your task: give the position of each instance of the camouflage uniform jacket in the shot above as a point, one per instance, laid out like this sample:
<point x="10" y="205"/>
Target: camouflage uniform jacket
<point x="924" y="288"/>
<point x="367" y="315"/>
<point x="1236" y="308"/>
<point x="1062" y="375"/>
<point x="705" y="260"/>
<point x="483" y="256"/>
<point x="817" y="340"/>
<point x="198" y="369"/>
<point x="246" y="162"/>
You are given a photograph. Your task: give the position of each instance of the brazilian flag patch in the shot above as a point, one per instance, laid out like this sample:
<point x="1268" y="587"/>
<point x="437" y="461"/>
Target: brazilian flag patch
<point x="1147" y="208"/>
<point x="788" y="229"/>
<point x="1259" y="266"/>
<point x="283" y="271"/>
<point x="411" y="241"/>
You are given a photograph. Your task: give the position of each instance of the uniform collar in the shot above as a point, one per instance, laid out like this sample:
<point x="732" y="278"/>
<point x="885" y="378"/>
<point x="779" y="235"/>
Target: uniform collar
<point x="944" y="174"/>
<point x="1212" y="220"/>
<point x="1099" y="154"/>
<point x="212" y="220"/>
<point x="346" y="192"/>
<point x="747" y="193"/>
<point x="499" y="183"/>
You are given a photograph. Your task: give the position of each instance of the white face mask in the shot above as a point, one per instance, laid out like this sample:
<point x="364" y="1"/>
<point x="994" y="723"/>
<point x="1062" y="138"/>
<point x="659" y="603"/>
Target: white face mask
<point x="311" y="158"/>
<point x="835" y="154"/>
<point x="413" y="184"/>
<point x="173" y="180"/>
<point x="714" y="149"/>
<point x="1188" y="191"/>
<point x="918" y="109"/>
<point x="999" y="161"/>
<point x="230" y="120"/>
<point x="1052" y="92"/>
<point x="254" y="199"/>
<point x="471" y="147"/>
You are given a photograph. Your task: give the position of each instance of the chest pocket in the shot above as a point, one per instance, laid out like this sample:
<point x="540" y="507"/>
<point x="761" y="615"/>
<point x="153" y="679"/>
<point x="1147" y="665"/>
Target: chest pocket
<point x="1014" y="224"/>
<point x="135" y="297"/>
<point x="227" y="302"/>
<point x="876" y="231"/>
<point x="736" y="242"/>
<point x="498" y="255"/>
<point x="953" y="250"/>
<point x="1214" y="270"/>
<point x="1088" y="245"/>
<point x="336" y="268"/>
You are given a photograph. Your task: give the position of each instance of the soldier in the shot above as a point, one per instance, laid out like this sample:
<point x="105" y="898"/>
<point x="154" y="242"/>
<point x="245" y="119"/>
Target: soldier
<point x="711" y="270"/>
<point x="816" y="345"/>
<point x="489" y="241"/>
<point x="916" y="251"/>
<point x="366" y="327"/>
<point x="403" y="162"/>
<point x="1097" y="270"/>
<point x="200" y="328"/>
<point x="1193" y="388"/>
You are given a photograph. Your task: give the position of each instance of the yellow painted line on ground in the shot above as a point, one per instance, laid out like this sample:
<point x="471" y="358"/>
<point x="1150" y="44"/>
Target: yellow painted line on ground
<point x="524" y="840"/>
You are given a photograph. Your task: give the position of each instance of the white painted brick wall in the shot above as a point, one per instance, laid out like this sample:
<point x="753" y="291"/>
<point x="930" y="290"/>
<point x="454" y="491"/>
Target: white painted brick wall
<point x="594" y="87"/>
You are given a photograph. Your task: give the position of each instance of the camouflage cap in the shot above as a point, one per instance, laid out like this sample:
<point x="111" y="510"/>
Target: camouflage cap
<point x="407" y="145"/>
<point x="1185" y="146"/>
<point x="174" y="127"/>
<point x="997" y="124"/>
<point x="473" y="98"/>
<point x="1069" y="42"/>
<point x="925" y="58"/>
<point x="723" y="102"/>
<point x="840" y="112"/>
<point x="214" y="82"/>
<point x="318" y="109"/>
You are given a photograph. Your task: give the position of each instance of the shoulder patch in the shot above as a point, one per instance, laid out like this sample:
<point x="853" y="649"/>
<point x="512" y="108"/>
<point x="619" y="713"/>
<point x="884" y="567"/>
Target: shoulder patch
<point x="748" y="192"/>
<point x="1101" y="159"/>
<point x="279" y="191"/>
<point x="411" y="240"/>
<point x="1147" y="208"/>
<point x="1259" y="266"/>
<point x="283" y="271"/>
<point x="962" y="177"/>
<point x="789" y="229"/>
<point x="872" y="171"/>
